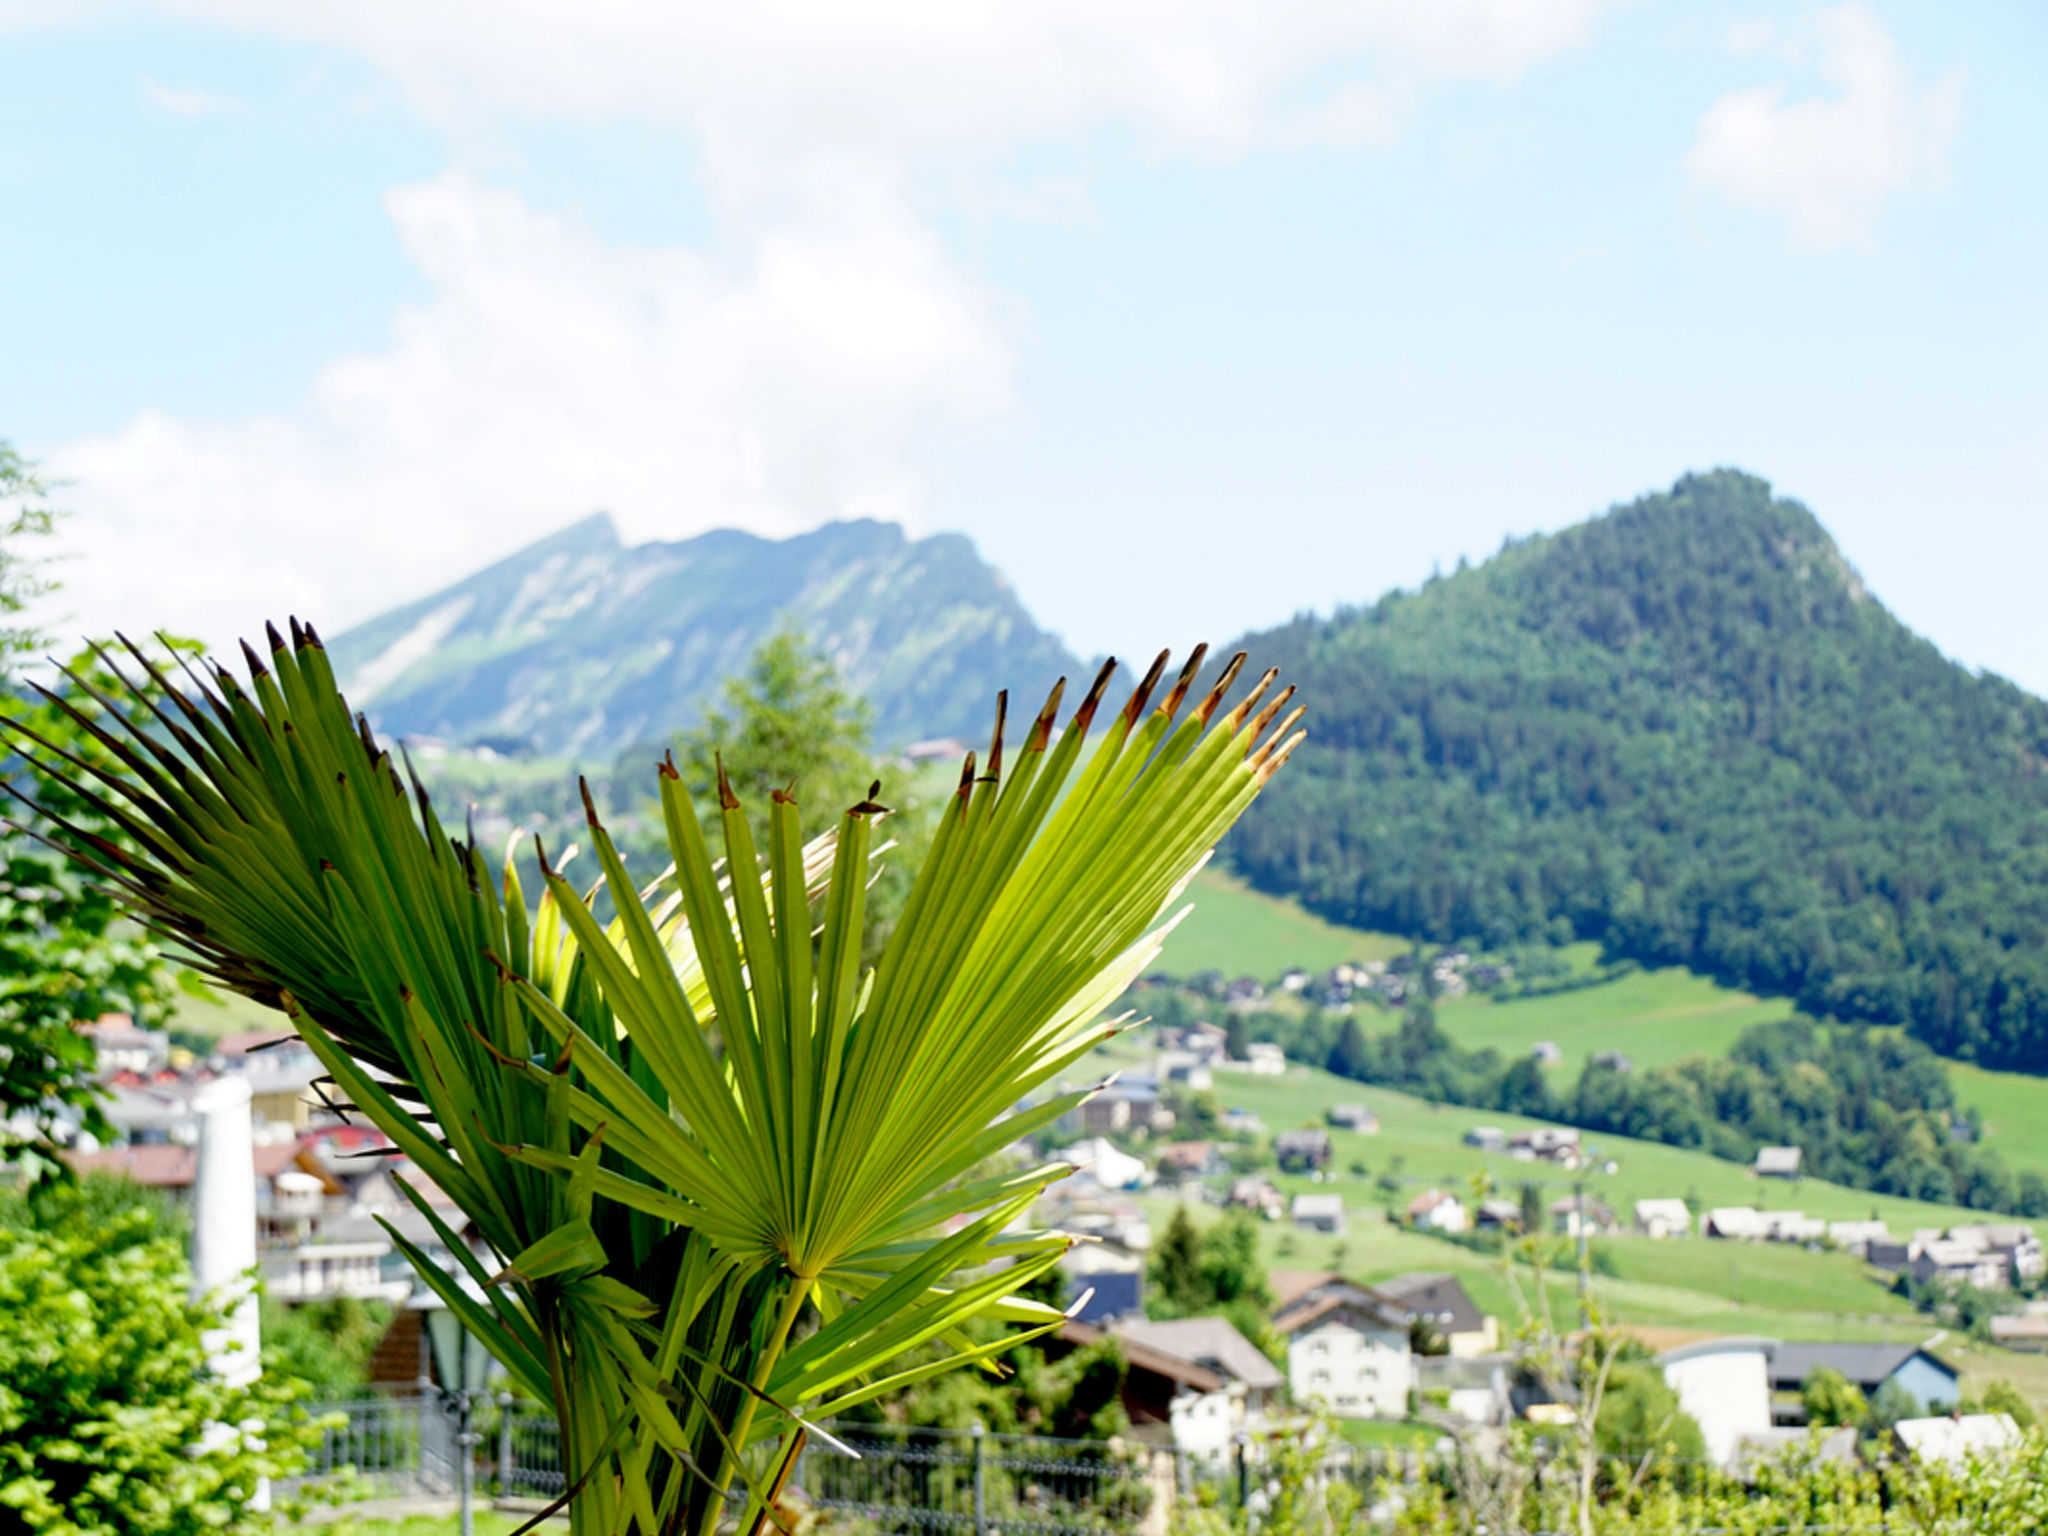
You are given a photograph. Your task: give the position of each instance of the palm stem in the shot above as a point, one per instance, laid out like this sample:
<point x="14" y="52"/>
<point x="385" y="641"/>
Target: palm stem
<point x="743" y="1423"/>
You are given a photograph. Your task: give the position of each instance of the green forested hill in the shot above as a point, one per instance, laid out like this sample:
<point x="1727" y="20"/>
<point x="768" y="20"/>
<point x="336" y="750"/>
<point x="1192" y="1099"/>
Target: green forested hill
<point x="1686" y="730"/>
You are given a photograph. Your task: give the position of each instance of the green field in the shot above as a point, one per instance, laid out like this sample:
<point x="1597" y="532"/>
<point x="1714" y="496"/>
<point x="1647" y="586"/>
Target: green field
<point x="1242" y="932"/>
<point x="1655" y="1016"/>
<point x="1771" y="1289"/>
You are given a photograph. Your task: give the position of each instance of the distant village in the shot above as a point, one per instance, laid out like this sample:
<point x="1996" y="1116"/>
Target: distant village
<point x="1416" y="1345"/>
<point x="1410" y="1347"/>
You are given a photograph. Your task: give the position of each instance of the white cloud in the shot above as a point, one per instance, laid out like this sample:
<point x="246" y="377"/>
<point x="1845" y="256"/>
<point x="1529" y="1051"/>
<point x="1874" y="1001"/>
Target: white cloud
<point x="773" y="377"/>
<point x="546" y="376"/>
<point x="190" y="101"/>
<point x="1830" y="162"/>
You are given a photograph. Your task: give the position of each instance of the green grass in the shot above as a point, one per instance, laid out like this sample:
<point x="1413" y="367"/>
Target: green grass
<point x="1772" y="1289"/>
<point x="225" y="1013"/>
<point x="2015" y="1110"/>
<point x="1655" y="1016"/>
<point x="1398" y="1434"/>
<point x="1242" y="932"/>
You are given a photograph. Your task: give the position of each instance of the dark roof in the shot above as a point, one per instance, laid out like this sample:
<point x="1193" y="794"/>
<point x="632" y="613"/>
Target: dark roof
<point x="1337" y="1295"/>
<point x="1434" y="1294"/>
<point x="1865" y="1365"/>
<point x="1142" y="1357"/>
<point x="1208" y="1342"/>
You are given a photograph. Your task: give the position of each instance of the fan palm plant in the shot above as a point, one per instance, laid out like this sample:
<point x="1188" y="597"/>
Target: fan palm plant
<point x="724" y="1179"/>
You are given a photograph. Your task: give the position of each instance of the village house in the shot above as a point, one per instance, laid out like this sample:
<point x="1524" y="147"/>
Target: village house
<point x="1191" y="1385"/>
<point x="2016" y="1245"/>
<point x="1347" y="1347"/>
<point x="1930" y="1380"/>
<point x="1739" y="1223"/>
<point x="1352" y="1117"/>
<point x="1262" y="1058"/>
<point x="1441" y="1298"/>
<point x="1663" y="1218"/>
<point x="1487" y="1138"/>
<point x="1435" y="1211"/>
<point x="1792" y="1226"/>
<point x="1857" y="1236"/>
<point x="1545" y="1053"/>
<point x="1302" y="1151"/>
<point x="1257" y="1196"/>
<point x="1778" y="1162"/>
<point x="1185" y="1162"/>
<point x="1547" y="1144"/>
<point x="1319" y="1213"/>
<point x="1572" y="1214"/>
<point x="1498" y="1215"/>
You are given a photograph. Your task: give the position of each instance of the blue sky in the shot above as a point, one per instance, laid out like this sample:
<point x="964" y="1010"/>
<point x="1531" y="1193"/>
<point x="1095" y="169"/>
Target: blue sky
<point x="1191" y="317"/>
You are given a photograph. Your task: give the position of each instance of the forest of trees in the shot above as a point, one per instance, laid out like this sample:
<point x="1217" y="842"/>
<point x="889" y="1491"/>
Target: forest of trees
<point x="1687" y="731"/>
<point x="1870" y="1108"/>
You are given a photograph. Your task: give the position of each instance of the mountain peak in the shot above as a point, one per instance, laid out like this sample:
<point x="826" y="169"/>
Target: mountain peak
<point x="582" y="645"/>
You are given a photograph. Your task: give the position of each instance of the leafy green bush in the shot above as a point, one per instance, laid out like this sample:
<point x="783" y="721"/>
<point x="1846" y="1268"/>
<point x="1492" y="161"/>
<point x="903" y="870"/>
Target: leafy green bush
<point x="111" y="1424"/>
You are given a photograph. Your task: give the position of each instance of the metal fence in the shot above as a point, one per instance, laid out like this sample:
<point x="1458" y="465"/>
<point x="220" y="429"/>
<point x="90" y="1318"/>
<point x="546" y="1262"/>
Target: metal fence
<point x="889" y="1480"/>
<point x="919" y="1480"/>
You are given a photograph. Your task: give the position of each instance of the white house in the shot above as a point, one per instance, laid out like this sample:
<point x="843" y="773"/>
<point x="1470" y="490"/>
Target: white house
<point x="1262" y="1058"/>
<point x="1663" y="1218"/>
<point x="1347" y="1349"/>
<point x="1792" y="1226"/>
<point x="1965" y="1437"/>
<point x="1319" y="1213"/>
<point x="1435" y="1211"/>
<point x="1097" y="1159"/>
<point x="1725" y="1386"/>
<point x="1739" y="1222"/>
<point x="1857" y="1236"/>
<point x="1778" y="1162"/>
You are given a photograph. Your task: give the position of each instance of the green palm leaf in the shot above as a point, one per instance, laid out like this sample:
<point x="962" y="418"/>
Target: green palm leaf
<point x="728" y="1177"/>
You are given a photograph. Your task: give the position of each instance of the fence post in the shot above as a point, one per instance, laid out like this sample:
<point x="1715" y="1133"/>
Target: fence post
<point x="980" y="1483"/>
<point x="504" y="1444"/>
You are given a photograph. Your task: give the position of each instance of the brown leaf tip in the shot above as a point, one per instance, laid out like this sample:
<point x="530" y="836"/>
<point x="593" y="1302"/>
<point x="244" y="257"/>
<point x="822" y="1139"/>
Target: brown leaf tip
<point x="589" y="805"/>
<point x="666" y="768"/>
<point x="727" y="800"/>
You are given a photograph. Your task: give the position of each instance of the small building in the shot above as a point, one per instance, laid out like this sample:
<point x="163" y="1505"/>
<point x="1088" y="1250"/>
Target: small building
<point x="1663" y="1218"/>
<point x="1193" y="1073"/>
<point x="1724" y="1385"/>
<point x="1187" y="1385"/>
<point x="1792" y="1226"/>
<point x="1203" y="1422"/>
<point x="1097" y="1159"/>
<point x="1739" y="1223"/>
<point x="1613" y="1061"/>
<point x="1353" y="1117"/>
<point x="1778" y="1162"/>
<point x="1262" y="1058"/>
<point x="2016" y="1245"/>
<point x="1303" y="1151"/>
<point x="1440" y="1297"/>
<point x="1487" y="1138"/>
<point x="1960" y="1263"/>
<point x="1960" y="1438"/>
<point x="1548" y="1144"/>
<point x="1436" y="1211"/>
<point x="1319" y="1213"/>
<point x="1572" y="1214"/>
<point x="1545" y="1053"/>
<point x="2026" y="1332"/>
<point x="1498" y="1215"/>
<point x="1257" y="1196"/>
<point x="1857" y="1236"/>
<point x="1347" y="1348"/>
<point x="1182" y="1162"/>
<point x="1931" y="1381"/>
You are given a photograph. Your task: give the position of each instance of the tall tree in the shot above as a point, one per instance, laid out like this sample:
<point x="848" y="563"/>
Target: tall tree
<point x="785" y="723"/>
<point x="67" y="955"/>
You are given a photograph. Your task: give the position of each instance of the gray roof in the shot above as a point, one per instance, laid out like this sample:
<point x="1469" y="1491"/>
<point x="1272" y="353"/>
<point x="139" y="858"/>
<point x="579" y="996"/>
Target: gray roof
<point x="1433" y="1294"/>
<point x="1211" y="1342"/>
<point x="1865" y="1365"/>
